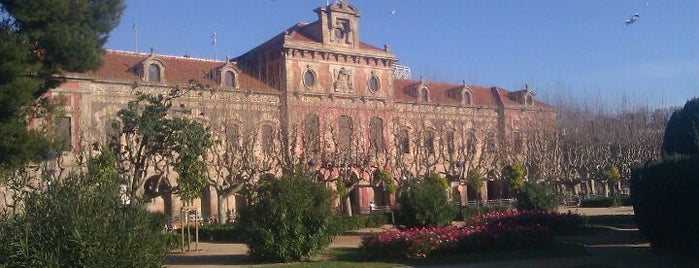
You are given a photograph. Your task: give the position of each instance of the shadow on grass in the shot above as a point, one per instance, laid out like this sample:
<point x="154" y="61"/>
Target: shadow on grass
<point x="618" y="221"/>
<point x="353" y="257"/>
<point x="182" y="259"/>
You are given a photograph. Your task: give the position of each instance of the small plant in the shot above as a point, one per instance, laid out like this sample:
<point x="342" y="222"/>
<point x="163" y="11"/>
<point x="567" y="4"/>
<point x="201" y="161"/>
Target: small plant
<point x="534" y="196"/>
<point x="425" y="203"/>
<point x="515" y="176"/>
<point x="289" y="219"/>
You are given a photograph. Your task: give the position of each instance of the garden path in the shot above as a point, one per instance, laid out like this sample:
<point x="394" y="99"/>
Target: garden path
<point x="614" y="246"/>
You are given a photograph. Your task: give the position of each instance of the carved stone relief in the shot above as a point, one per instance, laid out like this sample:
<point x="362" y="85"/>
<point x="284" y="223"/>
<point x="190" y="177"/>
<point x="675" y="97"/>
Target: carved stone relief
<point x="342" y="80"/>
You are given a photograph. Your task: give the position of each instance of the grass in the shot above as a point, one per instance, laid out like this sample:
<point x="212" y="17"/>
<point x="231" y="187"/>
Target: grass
<point x="352" y="257"/>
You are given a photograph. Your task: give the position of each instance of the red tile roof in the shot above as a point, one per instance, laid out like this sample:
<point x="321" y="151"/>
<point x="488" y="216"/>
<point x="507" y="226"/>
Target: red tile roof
<point x="450" y="94"/>
<point x="123" y="66"/>
<point x="438" y="92"/>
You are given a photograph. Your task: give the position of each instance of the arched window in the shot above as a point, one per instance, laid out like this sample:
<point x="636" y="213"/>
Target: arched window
<point x="345" y="135"/>
<point x="528" y="100"/>
<point x="229" y="79"/>
<point x="153" y="73"/>
<point x="404" y="141"/>
<point x="112" y="131"/>
<point x="424" y="94"/>
<point x="232" y="136"/>
<point x="429" y="142"/>
<point x="449" y="139"/>
<point x="376" y="135"/>
<point x="267" y="139"/>
<point x="311" y="134"/>
<point x="467" y="97"/>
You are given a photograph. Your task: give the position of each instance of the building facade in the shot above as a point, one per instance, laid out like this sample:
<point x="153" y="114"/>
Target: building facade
<point x="316" y="96"/>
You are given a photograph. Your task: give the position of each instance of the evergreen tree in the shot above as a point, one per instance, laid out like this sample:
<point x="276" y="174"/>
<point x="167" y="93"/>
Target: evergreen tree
<point x="39" y="40"/>
<point x="682" y="132"/>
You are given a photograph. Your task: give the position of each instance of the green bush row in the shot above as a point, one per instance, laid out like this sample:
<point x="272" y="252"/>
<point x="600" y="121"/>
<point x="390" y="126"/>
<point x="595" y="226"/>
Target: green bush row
<point x="605" y="202"/>
<point x="343" y="223"/>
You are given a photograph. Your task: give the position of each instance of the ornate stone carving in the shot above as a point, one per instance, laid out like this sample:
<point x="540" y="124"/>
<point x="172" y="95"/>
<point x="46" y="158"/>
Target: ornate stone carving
<point x="342" y="80"/>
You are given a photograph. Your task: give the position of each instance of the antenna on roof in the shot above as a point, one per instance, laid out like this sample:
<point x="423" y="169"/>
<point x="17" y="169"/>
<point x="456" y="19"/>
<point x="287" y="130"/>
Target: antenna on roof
<point x="213" y="36"/>
<point x="135" y="31"/>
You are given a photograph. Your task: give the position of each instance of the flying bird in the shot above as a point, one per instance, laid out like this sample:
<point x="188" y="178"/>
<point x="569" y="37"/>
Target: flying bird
<point x="633" y="19"/>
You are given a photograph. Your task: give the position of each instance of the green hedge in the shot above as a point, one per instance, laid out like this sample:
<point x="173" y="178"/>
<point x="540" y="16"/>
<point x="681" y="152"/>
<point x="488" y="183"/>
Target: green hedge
<point x="665" y="198"/>
<point x="221" y="233"/>
<point x="375" y="220"/>
<point x="605" y="202"/>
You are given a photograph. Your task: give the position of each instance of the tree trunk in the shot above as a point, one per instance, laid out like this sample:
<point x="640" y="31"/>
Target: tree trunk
<point x="348" y="206"/>
<point x="221" y="207"/>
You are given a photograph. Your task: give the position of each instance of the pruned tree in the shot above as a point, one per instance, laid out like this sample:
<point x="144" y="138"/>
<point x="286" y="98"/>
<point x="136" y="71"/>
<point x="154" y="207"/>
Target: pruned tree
<point x="154" y="136"/>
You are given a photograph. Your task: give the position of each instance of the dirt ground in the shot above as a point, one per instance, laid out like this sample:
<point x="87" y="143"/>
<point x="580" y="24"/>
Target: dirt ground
<point x="618" y="246"/>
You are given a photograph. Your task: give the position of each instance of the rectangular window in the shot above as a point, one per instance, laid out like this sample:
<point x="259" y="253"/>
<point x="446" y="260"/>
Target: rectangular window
<point x="62" y="132"/>
<point x="517" y="142"/>
<point x="450" y="142"/>
<point x="267" y="138"/>
<point x="429" y="142"/>
<point x="490" y="144"/>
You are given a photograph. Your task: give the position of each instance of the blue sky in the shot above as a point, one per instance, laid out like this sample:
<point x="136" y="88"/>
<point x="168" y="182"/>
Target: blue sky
<point x="560" y="48"/>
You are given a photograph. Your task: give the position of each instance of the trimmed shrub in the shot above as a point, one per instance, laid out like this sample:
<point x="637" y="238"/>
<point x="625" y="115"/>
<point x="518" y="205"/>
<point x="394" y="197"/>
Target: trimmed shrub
<point x="229" y="233"/>
<point x="534" y="196"/>
<point x="425" y="203"/>
<point x="289" y="219"/>
<point x="664" y="197"/>
<point x="605" y="202"/>
<point x="343" y="223"/>
<point x="81" y="222"/>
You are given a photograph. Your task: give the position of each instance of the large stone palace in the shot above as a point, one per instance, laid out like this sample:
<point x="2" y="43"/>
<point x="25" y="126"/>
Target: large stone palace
<point x="316" y="95"/>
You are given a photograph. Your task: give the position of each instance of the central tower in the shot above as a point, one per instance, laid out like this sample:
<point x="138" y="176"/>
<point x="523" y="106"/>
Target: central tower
<point x="339" y="24"/>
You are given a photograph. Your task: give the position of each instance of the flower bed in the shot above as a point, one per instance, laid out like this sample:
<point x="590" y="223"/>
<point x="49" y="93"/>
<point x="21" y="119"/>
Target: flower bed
<point x="559" y="223"/>
<point x="493" y="231"/>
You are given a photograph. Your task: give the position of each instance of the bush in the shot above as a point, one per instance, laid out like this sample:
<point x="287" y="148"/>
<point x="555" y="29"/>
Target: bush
<point x="81" y="222"/>
<point x="424" y="204"/>
<point x="289" y="219"/>
<point x="535" y="196"/>
<point x="664" y="197"/>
